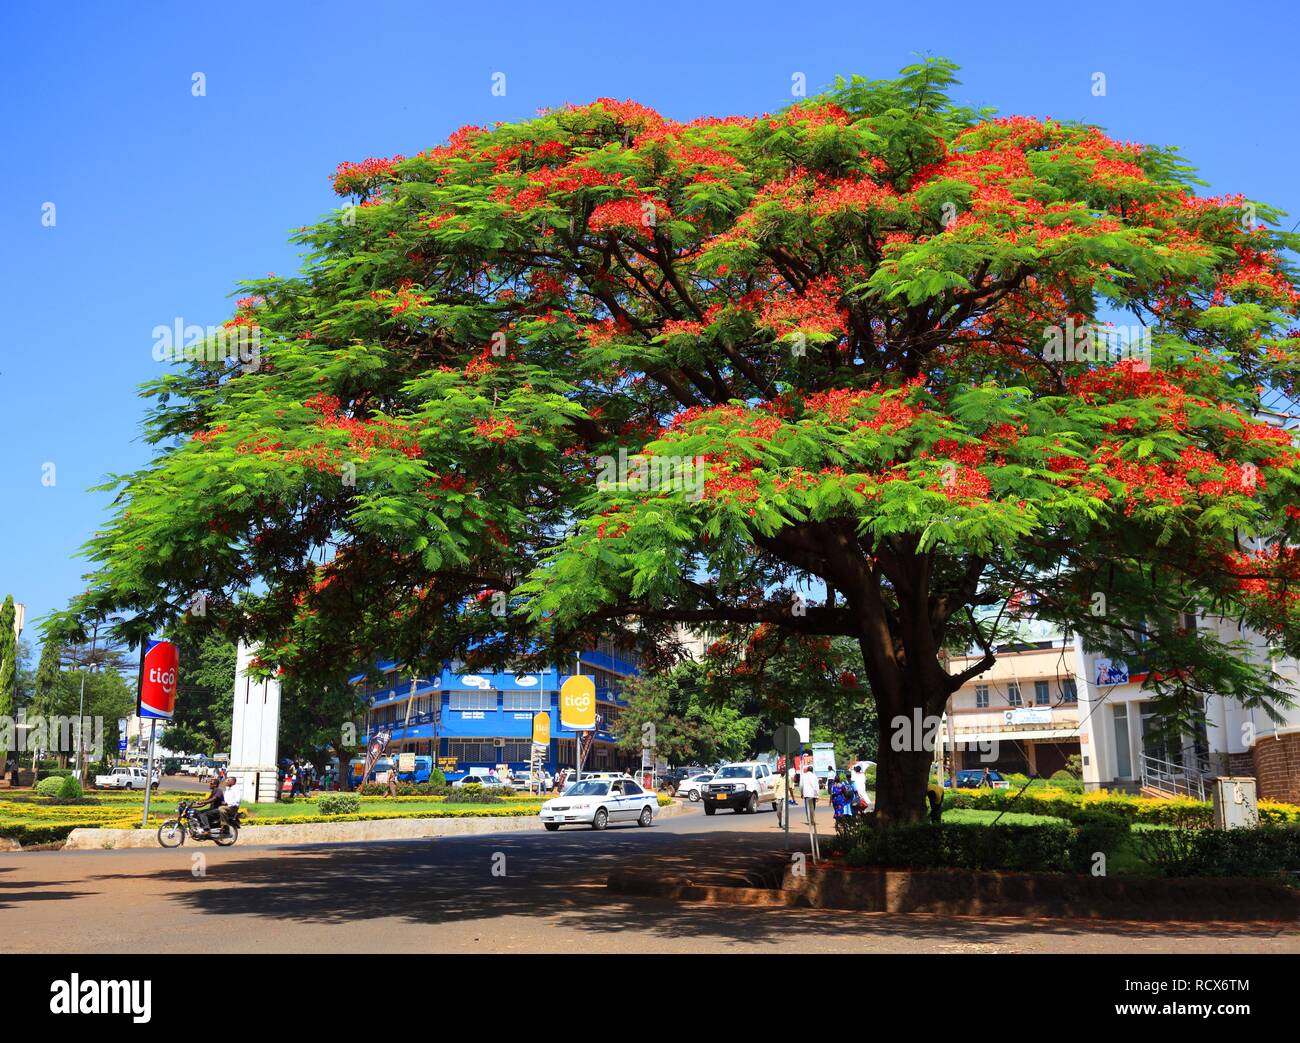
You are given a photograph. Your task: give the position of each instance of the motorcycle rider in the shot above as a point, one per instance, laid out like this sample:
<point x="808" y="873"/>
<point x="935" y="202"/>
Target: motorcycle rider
<point x="209" y="804"/>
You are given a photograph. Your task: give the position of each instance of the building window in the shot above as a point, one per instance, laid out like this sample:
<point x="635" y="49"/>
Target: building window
<point x="473" y="700"/>
<point x="981" y="696"/>
<point x="526" y="700"/>
<point x="517" y="751"/>
<point x="472" y="752"/>
<point x="1069" y="691"/>
<point x="478" y="753"/>
<point x="1013" y="694"/>
<point x="1042" y="693"/>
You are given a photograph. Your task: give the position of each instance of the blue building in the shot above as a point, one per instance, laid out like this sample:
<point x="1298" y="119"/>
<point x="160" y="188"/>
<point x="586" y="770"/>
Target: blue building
<point x="478" y="720"/>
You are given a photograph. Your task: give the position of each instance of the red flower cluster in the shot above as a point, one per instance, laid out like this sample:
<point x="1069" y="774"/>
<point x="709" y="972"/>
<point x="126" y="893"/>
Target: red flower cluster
<point x="359" y="178"/>
<point x="364" y="436"/>
<point x="496" y="430"/>
<point x="816" y="310"/>
<point x="634" y="215"/>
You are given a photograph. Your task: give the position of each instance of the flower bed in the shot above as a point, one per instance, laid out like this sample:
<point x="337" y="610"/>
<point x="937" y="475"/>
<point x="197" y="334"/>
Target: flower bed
<point x="38" y="822"/>
<point x="488" y="811"/>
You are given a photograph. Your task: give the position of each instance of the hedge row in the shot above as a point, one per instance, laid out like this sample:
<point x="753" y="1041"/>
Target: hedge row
<point x="1265" y="851"/>
<point x="1181" y="812"/>
<point x="27" y="833"/>
<point x="1070" y="846"/>
<point x="1046" y="848"/>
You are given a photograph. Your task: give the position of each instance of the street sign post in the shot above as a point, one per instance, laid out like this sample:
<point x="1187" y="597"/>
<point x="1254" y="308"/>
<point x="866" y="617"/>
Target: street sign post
<point x="156" y="699"/>
<point x="786" y="741"/>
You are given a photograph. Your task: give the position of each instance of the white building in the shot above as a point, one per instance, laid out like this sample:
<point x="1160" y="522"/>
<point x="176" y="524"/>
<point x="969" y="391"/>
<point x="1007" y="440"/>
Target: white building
<point x="1046" y="699"/>
<point x="1127" y="753"/>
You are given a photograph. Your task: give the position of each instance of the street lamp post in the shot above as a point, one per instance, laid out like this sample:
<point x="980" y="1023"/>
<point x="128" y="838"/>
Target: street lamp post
<point x="20" y="618"/>
<point x="81" y="706"/>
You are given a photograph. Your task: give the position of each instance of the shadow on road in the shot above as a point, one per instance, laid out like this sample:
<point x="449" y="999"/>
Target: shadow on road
<point x="561" y="877"/>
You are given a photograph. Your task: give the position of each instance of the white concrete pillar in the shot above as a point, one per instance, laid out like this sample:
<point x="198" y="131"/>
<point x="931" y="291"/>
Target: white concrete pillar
<point x="255" y="731"/>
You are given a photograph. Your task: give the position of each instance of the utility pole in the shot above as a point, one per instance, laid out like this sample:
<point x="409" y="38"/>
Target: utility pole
<point x="81" y="708"/>
<point x="577" y="741"/>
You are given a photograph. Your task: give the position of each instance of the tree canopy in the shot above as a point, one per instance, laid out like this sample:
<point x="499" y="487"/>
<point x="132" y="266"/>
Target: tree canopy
<point x="837" y="344"/>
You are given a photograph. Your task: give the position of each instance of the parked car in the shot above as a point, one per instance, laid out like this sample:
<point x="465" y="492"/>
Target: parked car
<point x="692" y="786"/>
<point x="972" y="778"/>
<point x="476" y="777"/>
<point x="123" y="777"/>
<point x="598" y="802"/>
<point x="742" y="786"/>
<point x="524" y="781"/>
<point x="603" y="776"/>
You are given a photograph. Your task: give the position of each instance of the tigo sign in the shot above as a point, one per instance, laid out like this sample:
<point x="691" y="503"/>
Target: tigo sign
<point x="542" y="729"/>
<point x="578" y="704"/>
<point x="158" y="669"/>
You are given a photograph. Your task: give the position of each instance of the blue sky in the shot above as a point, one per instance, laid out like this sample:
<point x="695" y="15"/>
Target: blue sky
<point x="164" y="200"/>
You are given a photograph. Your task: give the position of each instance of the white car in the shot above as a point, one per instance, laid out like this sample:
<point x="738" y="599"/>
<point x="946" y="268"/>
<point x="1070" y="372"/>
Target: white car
<point x="598" y="802"/>
<point x="693" y="785"/>
<point x="526" y="782"/>
<point x="477" y="779"/>
<point x="742" y="787"/>
<point x="125" y="778"/>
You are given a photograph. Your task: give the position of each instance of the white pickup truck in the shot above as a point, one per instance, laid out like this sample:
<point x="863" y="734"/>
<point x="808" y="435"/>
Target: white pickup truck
<point x="125" y="778"/>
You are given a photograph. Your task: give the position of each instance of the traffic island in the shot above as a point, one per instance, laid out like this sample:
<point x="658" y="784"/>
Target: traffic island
<point x="345" y="830"/>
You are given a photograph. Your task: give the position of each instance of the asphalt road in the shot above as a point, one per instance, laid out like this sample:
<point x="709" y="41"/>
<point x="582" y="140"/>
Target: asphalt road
<point x="509" y="892"/>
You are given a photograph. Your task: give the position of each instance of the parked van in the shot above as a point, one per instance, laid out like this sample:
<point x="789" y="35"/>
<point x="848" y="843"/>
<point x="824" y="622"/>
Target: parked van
<point x="423" y="770"/>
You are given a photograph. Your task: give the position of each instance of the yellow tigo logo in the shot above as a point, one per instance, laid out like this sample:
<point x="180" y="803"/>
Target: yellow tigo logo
<point x="578" y="704"/>
<point x="542" y="728"/>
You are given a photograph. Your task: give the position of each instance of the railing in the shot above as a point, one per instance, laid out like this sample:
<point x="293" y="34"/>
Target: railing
<point x="1175" y="779"/>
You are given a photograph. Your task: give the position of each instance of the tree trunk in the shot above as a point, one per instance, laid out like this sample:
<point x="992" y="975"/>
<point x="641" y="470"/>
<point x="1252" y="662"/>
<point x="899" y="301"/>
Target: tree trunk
<point x="902" y="777"/>
<point x="911" y="689"/>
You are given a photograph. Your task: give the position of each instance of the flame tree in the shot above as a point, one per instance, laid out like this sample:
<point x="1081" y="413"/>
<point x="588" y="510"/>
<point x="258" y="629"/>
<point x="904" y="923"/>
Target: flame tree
<point x="859" y="318"/>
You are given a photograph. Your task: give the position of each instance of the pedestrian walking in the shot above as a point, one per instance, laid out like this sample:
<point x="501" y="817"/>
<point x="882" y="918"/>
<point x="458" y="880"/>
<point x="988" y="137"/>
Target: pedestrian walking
<point x="843" y="796"/>
<point x="863" y="802"/>
<point x="780" y="792"/>
<point x="811" y="790"/>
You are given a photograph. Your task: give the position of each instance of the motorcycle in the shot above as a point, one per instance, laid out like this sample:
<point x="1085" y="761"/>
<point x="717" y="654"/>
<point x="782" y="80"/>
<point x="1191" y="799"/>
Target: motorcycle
<point x="173" y="832"/>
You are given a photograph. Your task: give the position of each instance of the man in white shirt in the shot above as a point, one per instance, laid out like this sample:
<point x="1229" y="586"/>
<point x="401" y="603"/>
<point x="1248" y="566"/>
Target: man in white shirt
<point x="809" y="786"/>
<point x="233" y="795"/>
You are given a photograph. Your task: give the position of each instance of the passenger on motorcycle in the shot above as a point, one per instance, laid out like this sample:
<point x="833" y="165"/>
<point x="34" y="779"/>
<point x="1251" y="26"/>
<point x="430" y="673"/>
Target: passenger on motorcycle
<point x="230" y="807"/>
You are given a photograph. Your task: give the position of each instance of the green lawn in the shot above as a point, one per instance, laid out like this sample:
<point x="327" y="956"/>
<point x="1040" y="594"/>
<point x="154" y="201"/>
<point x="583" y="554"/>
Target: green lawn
<point x="969" y="816"/>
